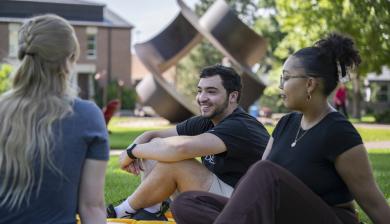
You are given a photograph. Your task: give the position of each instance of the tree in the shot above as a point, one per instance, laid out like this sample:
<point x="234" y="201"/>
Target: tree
<point x="367" y="21"/>
<point x="267" y="26"/>
<point x="5" y="71"/>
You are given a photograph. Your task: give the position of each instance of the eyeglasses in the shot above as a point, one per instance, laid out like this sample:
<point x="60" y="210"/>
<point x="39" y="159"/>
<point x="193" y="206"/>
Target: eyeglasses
<point x="285" y="78"/>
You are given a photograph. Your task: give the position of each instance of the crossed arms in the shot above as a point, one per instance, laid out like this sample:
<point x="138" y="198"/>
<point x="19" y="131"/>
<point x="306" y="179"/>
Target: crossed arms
<point x="168" y="146"/>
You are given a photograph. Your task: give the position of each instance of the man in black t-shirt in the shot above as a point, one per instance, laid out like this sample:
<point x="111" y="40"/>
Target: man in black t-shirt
<point x="226" y="138"/>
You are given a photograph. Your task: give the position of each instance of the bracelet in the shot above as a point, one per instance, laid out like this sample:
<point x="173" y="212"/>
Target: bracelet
<point x="129" y="151"/>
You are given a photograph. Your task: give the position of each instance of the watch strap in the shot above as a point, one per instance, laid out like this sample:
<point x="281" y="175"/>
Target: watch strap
<point x="129" y="151"/>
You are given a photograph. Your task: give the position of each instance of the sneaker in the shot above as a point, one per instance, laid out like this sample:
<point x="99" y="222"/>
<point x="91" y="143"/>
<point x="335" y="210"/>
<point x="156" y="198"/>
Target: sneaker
<point x="145" y="215"/>
<point x="111" y="213"/>
<point x="165" y="206"/>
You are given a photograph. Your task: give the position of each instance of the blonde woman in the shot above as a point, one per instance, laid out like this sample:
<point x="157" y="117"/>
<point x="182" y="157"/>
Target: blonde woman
<point x="53" y="146"/>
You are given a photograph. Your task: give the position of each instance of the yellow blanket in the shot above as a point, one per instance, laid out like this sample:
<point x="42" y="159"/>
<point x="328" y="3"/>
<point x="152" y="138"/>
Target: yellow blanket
<point x="132" y="221"/>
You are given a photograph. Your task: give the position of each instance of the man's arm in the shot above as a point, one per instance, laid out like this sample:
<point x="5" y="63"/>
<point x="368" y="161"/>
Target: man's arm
<point x="268" y="148"/>
<point x="175" y="148"/>
<point x="149" y="135"/>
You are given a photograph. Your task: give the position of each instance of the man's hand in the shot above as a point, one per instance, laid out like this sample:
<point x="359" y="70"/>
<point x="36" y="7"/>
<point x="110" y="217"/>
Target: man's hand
<point x="130" y="165"/>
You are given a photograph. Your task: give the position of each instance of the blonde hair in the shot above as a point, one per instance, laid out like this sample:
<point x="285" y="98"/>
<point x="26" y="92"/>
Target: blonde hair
<point x="41" y="94"/>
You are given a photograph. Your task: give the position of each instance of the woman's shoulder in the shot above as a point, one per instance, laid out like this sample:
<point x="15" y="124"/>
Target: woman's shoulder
<point x="336" y="118"/>
<point x="84" y="105"/>
<point x="86" y="109"/>
<point x="338" y="123"/>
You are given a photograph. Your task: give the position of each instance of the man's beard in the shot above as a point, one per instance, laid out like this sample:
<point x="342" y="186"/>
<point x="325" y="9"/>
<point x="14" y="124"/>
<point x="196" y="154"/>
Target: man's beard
<point x="218" y="110"/>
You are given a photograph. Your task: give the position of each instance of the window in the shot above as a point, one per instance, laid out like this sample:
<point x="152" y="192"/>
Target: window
<point x="13" y="29"/>
<point x="91" y="42"/>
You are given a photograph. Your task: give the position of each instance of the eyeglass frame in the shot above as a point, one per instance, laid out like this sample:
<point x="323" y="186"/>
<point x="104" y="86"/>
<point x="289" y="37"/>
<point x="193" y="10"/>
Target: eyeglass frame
<point x="283" y="79"/>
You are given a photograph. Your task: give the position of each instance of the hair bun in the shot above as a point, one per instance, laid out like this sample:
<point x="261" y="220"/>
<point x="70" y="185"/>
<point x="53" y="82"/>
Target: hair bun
<point x="343" y="49"/>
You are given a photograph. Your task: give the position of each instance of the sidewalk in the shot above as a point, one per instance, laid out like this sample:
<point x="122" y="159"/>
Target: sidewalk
<point x="378" y="145"/>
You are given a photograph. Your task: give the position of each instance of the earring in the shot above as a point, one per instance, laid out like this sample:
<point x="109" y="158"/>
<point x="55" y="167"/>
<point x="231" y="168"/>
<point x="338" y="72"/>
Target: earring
<point x="308" y="97"/>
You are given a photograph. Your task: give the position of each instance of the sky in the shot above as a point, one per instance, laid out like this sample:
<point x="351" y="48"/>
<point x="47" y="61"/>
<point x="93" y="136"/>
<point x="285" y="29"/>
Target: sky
<point x="149" y="17"/>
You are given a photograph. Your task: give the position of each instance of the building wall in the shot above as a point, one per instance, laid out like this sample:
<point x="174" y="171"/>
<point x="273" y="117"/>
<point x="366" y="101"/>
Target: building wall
<point x="121" y="63"/>
<point x="3" y="41"/>
<point x="120" y="52"/>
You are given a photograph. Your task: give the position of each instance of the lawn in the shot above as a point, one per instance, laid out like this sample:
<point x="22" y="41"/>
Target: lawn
<point x="120" y="184"/>
<point x="121" y="136"/>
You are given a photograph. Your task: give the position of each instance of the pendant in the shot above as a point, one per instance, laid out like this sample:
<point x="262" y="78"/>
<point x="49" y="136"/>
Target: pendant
<point x="293" y="144"/>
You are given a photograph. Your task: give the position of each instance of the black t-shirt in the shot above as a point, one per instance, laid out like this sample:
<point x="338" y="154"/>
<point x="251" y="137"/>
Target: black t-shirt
<point x="245" y="139"/>
<point x="312" y="159"/>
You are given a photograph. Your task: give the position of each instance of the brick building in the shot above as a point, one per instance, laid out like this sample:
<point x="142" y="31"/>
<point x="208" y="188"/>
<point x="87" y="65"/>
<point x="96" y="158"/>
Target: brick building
<point x="105" y="39"/>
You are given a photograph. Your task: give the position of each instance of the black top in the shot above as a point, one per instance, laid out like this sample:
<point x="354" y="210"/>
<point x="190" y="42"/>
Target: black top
<point x="312" y="159"/>
<point x="245" y="139"/>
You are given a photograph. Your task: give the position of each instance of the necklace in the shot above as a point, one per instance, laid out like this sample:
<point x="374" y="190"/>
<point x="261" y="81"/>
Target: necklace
<point x="296" y="136"/>
<point x="296" y="139"/>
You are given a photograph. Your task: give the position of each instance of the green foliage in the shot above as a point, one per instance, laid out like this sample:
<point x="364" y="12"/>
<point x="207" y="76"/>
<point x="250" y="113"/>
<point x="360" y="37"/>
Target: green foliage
<point x="129" y="98"/>
<point x="383" y="117"/>
<point x="5" y="72"/>
<point x="368" y="22"/>
<point x="114" y="91"/>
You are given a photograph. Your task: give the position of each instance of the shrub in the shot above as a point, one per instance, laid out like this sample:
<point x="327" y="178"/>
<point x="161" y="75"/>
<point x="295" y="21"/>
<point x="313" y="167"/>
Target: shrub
<point x="383" y="117"/>
<point x="5" y="72"/>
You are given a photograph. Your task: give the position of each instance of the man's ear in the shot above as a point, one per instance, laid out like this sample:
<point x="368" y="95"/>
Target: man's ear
<point x="233" y="96"/>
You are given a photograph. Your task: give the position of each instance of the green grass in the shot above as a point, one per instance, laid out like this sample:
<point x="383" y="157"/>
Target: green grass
<point x="121" y="137"/>
<point x="374" y="134"/>
<point x="380" y="161"/>
<point x="123" y="132"/>
<point x="364" y="119"/>
<point x="120" y="184"/>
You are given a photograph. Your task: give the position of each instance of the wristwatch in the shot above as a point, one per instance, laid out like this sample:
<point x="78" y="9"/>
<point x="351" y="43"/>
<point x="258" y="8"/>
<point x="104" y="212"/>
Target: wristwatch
<point x="129" y="150"/>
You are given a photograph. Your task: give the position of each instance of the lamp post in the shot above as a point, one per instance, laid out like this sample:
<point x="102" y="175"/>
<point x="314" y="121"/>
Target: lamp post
<point x="101" y="78"/>
<point x="121" y="83"/>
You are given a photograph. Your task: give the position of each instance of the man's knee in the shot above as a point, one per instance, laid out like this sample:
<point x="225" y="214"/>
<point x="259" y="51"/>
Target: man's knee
<point x="188" y="174"/>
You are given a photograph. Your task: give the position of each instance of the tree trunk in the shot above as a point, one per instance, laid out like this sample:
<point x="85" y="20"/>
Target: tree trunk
<point x="356" y="96"/>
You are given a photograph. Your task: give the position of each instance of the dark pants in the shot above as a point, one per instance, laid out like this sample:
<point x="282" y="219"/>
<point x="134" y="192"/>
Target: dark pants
<point x="266" y="194"/>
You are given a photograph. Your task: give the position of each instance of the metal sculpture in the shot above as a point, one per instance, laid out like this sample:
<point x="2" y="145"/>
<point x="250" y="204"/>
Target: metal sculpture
<point x="219" y="25"/>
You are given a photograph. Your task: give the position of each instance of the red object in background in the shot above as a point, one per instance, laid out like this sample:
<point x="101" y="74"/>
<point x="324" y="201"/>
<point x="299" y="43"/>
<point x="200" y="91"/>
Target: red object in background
<point x="109" y="111"/>
<point x="340" y="97"/>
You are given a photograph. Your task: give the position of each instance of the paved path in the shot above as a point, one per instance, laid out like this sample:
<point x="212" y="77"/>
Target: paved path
<point x="378" y="145"/>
